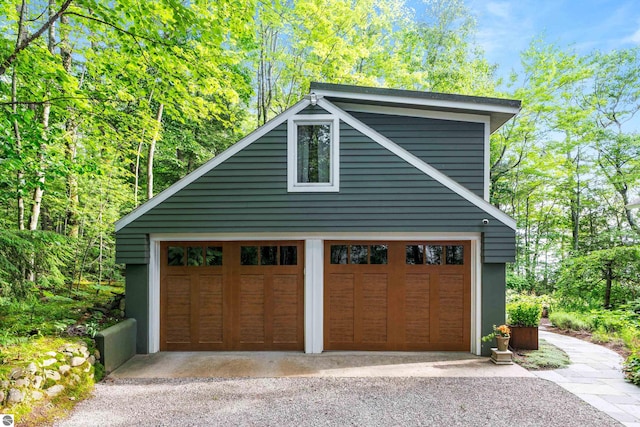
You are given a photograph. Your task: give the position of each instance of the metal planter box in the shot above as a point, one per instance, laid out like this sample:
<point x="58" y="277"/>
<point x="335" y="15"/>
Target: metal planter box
<point x="524" y="337"/>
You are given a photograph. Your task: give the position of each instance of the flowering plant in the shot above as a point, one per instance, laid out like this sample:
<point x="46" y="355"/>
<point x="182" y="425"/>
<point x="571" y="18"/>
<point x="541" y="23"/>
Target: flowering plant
<point x="498" y="331"/>
<point x="502" y="331"/>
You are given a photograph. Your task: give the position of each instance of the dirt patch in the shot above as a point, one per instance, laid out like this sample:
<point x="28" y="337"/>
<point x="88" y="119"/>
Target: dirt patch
<point x="614" y="345"/>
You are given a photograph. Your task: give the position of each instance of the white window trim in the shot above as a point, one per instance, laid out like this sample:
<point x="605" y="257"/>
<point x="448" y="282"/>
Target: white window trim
<point x="292" y="153"/>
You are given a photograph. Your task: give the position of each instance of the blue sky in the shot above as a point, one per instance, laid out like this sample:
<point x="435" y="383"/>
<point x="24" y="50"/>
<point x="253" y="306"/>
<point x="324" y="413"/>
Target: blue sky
<point x="506" y="27"/>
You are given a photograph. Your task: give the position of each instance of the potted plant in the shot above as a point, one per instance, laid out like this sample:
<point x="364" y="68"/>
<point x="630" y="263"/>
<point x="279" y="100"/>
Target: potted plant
<point x="524" y="318"/>
<point x="502" y="334"/>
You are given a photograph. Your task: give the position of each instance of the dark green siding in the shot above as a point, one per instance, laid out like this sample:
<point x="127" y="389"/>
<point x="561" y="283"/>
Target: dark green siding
<point x="378" y="192"/>
<point x="314" y="109"/>
<point x="132" y="248"/>
<point x="499" y="246"/>
<point x="493" y="301"/>
<point x="137" y="302"/>
<point x="454" y="148"/>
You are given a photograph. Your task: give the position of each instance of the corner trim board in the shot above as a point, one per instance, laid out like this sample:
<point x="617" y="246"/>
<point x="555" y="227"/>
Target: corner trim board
<point x="154" y="296"/>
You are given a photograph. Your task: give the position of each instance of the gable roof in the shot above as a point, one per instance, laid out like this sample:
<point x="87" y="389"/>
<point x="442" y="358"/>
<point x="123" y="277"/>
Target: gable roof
<point x="499" y="110"/>
<point x="353" y="122"/>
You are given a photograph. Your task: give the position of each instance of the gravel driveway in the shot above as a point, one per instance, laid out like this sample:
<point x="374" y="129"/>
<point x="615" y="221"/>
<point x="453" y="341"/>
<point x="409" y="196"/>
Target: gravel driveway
<point x="334" y="402"/>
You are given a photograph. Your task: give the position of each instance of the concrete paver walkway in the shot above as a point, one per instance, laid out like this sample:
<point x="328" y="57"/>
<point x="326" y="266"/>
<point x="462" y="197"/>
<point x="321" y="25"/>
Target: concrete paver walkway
<point x="595" y="375"/>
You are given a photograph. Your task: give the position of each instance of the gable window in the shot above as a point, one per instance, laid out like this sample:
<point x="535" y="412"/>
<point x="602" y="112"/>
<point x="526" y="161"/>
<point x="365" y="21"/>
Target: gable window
<point x="313" y="153"/>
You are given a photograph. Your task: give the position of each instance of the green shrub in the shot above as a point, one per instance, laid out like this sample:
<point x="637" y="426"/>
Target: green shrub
<point x="518" y="283"/>
<point x="608" y="321"/>
<point x="573" y="321"/>
<point x="631" y="336"/>
<point x="631" y="368"/>
<point x="524" y="313"/>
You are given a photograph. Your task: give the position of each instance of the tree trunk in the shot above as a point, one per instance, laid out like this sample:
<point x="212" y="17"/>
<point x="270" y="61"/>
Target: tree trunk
<point x="28" y="39"/>
<point x="16" y="127"/>
<point x="152" y="150"/>
<point x="71" y="136"/>
<point x="16" y="131"/>
<point x="136" y="184"/>
<point x="38" y="191"/>
<point x="607" y="291"/>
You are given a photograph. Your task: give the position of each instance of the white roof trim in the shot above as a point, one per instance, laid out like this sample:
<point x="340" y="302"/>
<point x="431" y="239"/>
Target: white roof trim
<point x="235" y="148"/>
<point x="418" y="101"/>
<point x="418" y="164"/>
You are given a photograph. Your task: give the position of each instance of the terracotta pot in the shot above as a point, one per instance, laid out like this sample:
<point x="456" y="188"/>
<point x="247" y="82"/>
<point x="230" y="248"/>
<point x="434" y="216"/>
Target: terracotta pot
<point x="503" y="343"/>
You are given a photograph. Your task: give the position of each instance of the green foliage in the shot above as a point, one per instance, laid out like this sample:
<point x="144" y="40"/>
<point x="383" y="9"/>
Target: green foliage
<point x="53" y="316"/>
<point x="518" y="283"/>
<point x="631" y="368"/>
<point x="547" y="356"/>
<point x="582" y="280"/>
<point x="29" y="259"/>
<point x="605" y="325"/>
<point x="523" y="313"/>
<point x="566" y="320"/>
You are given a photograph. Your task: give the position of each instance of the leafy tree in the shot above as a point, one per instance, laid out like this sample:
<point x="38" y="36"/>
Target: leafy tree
<point x="607" y="277"/>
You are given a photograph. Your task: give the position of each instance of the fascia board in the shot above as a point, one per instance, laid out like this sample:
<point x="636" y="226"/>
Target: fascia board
<point x="211" y="164"/>
<point x="418" y="164"/>
<point x="441" y="103"/>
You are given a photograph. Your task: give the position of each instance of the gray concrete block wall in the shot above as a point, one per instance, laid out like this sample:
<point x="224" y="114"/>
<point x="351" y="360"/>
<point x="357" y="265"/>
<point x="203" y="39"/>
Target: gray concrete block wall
<point x="117" y="344"/>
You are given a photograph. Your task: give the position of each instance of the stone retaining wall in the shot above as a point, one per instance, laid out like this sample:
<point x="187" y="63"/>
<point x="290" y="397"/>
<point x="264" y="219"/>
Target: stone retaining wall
<point x="48" y="375"/>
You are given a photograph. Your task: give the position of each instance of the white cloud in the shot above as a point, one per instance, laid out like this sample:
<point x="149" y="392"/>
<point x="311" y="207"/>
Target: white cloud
<point x="499" y="9"/>
<point x="634" y="38"/>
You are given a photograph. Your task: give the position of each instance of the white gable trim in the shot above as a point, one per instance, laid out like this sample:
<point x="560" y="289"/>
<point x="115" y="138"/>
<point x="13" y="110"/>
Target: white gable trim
<point x="439" y="115"/>
<point x="231" y="151"/>
<point x="418" y="164"/>
<point x="425" y="102"/>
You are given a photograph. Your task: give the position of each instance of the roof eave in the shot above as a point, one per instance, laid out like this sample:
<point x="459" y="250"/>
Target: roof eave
<point x="499" y="110"/>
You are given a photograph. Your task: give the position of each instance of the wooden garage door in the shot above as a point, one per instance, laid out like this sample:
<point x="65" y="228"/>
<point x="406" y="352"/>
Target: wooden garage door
<point x="397" y="295"/>
<point x="232" y="296"/>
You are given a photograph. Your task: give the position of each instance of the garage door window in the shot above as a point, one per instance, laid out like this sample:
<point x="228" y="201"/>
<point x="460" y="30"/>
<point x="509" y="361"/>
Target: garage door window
<point x="359" y="254"/>
<point x="379" y="254"/>
<point x="248" y="255"/>
<point x="455" y="255"/>
<point x="214" y="255"/>
<point x="415" y="254"/>
<point x="268" y="255"/>
<point x="194" y="256"/>
<point x="288" y="255"/>
<point x="175" y="255"/>
<point x="434" y="254"/>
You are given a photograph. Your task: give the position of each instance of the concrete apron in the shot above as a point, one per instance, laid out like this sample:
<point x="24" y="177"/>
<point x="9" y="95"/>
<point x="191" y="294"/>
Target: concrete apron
<point x="328" y="364"/>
